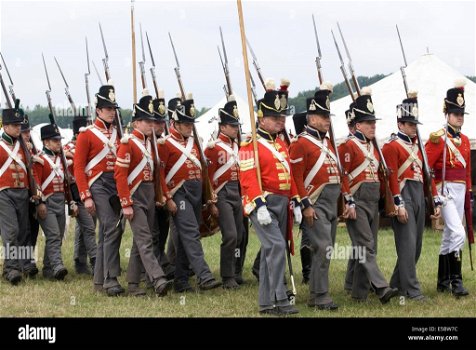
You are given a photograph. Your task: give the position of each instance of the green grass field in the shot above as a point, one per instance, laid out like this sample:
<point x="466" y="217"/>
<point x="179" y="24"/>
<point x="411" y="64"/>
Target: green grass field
<point x="74" y="297"/>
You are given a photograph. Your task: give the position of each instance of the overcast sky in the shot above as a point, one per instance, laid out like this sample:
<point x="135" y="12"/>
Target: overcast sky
<point x="280" y="32"/>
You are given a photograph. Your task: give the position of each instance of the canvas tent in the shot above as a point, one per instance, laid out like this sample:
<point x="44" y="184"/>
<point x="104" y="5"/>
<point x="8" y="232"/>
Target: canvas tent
<point x="428" y="75"/>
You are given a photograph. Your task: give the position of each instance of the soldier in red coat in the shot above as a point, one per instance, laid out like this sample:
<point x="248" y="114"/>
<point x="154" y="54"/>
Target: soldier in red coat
<point x="94" y="161"/>
<point x="160" y="233"/>
<point x="181" y="176"/>
<point x="267" y="200"/>
<point x="452" y="169"/>
<point x="223" y="170"/>
<point x="405" y="164"/>
<point x="362" y="191"/>
<point x="134" y="175"/>
<point x="85" y="229"/>
<point x="30" y="267"/>
<point x="13" y="194"/>
<point x="49" y="174"/>
<point x="317" y="177"/>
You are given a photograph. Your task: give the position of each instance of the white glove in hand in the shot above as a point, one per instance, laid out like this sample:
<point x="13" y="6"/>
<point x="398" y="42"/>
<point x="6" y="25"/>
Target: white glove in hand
<point x="297" y="215"/>
<point x="264" y="217"/>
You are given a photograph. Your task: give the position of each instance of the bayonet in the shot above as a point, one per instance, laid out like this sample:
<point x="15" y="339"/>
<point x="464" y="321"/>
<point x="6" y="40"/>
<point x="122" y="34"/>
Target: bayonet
<point x="10" y="87"/>
<point x="342" y="68"/>
<point x="351" y="68"/>
<point x="177" y="70"/>
<point x="86" y="82"/>
<point x="224" y="62"/>
<point x="97" y="73"/>
<point x="255" y="64"/>
<point x="66" y="90"/>
<point x="319" y="56"/>
<point x="402" y="68"/>
<point x="105" y="60"/>
<point x="142" y="63"/>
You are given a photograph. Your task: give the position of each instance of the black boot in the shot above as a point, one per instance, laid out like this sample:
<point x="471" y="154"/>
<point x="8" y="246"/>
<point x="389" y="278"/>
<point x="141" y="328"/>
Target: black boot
<point x="92" y="262"/>
<point x="306" y="261"/>
<point x="81" y="267"/>
<point x="455" y="275"/>
<point x="443" y="284"/>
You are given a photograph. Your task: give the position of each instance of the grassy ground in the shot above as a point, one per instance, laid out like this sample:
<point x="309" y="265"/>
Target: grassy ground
<point x="74" y="297"/>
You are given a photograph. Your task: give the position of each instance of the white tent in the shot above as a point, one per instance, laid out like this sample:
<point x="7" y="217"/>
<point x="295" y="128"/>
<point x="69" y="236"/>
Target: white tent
<point x="207" y="124"/>
<point x="428" y="75"/>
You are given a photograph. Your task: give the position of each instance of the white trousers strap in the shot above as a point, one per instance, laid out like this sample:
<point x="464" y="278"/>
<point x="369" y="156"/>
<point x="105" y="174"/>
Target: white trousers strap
<point x="145" y="159"/>
<point x="317" y="166"/>
<point x="109" y="146"/>
<point x="412" y="157"/>
<point x="12" y="156"/>
<point x="369" y="158"/>
<point x="455" y="151"/>
<point x="232" y="159"/>
<point x="276" y="154"/>
<point x="186" y="153"/>
<point x="55" y="171"/>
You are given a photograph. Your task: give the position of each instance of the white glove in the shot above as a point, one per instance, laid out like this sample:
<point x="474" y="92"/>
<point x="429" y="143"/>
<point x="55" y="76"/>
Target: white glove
<point x="264" y="217"/>
<point x="297" y="215"/>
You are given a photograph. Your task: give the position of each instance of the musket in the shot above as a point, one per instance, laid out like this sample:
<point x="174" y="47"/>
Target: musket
<point x="97" y="73"/>
<point x="35" y="191"/>
<point x="389" y="204"/>
<point x="177" y="70"/>
<point x="107" y="72"/>
<point x="342" y="69"/>
<point x="224" y="64"/>
<point x="68" y="179"/>
<point x="256" y="65"/>
<point x="133" y="44"/>
<point x="351" y="68"/>
<point x="253" y="89"/>
<point x="331" y="127"/>
<point x="142" y="63"/>
<point x="66" y="89"/>
<point x="154" y="78"/>
<point x="284" y="132"/>
<point x="209" y="196"/>
<point x="86" y="83"/>
<point x="10" y="87"/>
<point x="105" y="60"/>
<point x="227" y="88"/>
<point x="319" y="54"/>
<point x="426" y="168"/>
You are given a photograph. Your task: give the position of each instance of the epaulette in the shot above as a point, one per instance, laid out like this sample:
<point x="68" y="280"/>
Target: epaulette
<point x="294" y="139"/>
<point x="38" y="159"/>
<point x="212" y="143"/>
<point x="246" y="142"/>
<point x="84" y="128"/>
<point x="392" y="137"/>
<point x="125" y="139"/>
<point x="162" y="140"/>
<point x="436" y="136"/>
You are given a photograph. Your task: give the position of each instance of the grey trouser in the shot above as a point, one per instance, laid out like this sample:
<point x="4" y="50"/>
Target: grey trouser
<point x="230" y="220"/>
<point x="14" y="226"/>
<point x="322" y="237"/>
<point x="160" y="234"/>
<point x="272" y="290"/>
<point x="53" y="227"/>
<point x="187" y="222"/>
<point x="84" y="235"/>
<point x="108" y="264"/>
<point x="363" y="233"/>
<point x="408" y="240"/>
<point x="142" y="223"/>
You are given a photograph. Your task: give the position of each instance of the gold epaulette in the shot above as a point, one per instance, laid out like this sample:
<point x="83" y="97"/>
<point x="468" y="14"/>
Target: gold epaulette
<point x="435" y="137"/>
<point x="246" y="142"/>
